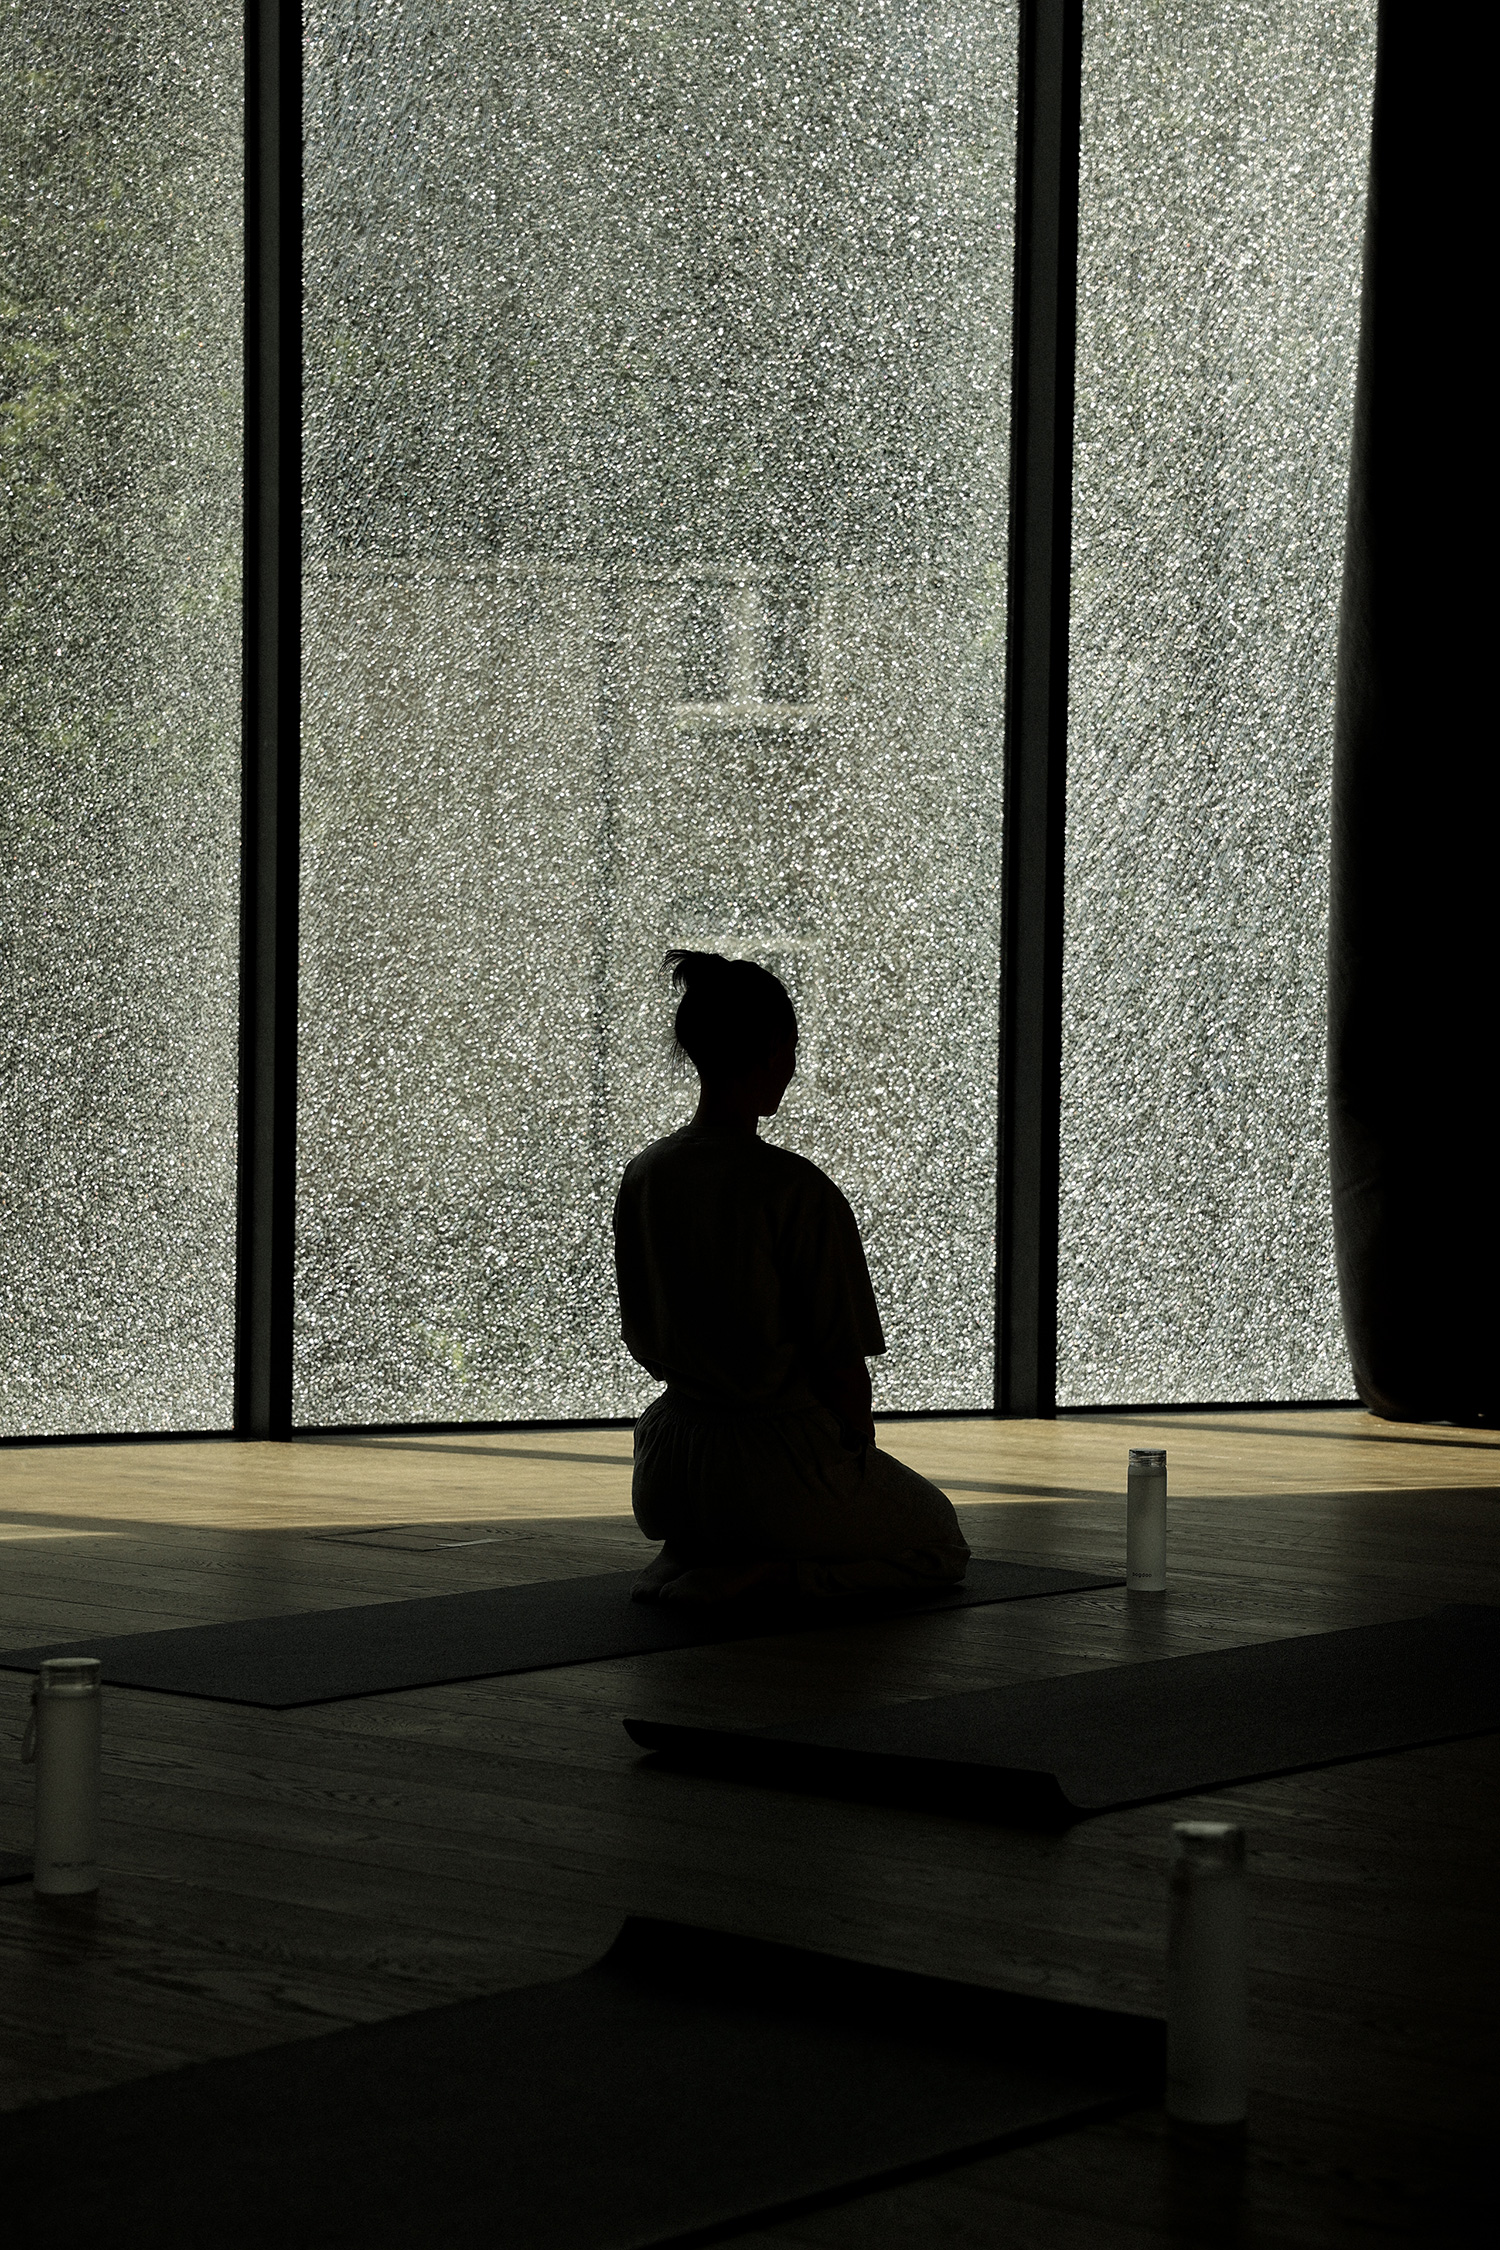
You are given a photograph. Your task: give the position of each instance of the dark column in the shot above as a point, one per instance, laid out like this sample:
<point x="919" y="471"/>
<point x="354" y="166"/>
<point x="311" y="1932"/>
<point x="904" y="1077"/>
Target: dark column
<point x="268" y="929"/>
<point x="1412" y="953"/>
<point x="1037" y="705"/>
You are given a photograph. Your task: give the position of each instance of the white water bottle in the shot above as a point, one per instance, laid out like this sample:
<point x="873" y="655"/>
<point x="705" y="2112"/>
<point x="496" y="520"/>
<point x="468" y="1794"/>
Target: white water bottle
<point x="1207" y="2029"/>
<point x="1146" y="1523"/>
<point x="63" y="1739"/>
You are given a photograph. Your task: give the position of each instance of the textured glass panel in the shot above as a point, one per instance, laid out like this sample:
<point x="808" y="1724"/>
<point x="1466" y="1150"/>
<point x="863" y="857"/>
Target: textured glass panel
<point x="656" y="464"/>
<point x="121" y="281"/>
<point x="1224" y="149"/>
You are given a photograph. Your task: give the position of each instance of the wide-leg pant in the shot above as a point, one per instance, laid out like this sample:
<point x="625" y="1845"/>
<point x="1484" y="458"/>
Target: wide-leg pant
<point x="724" y="1485"/>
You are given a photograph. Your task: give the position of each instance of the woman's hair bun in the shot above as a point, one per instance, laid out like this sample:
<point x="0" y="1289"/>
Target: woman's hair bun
<point x="693" y="968"/>
<point x="732" y="1014"/>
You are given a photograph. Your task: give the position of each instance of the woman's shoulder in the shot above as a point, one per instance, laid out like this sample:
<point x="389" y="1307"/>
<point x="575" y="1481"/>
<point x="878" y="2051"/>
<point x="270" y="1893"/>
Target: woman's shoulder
<point x="798" y="1175"/>
<point x="782" y="1172"/>
<point x="652" y="1157"/>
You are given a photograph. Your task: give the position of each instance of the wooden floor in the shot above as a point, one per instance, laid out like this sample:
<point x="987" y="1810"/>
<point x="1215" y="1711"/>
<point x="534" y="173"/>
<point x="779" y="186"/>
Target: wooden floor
<point x="273" y="1874"/>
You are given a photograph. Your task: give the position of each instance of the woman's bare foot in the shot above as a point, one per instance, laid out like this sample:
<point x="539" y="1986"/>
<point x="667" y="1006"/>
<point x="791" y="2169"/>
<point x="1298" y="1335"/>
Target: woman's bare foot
<point x="659" y="1573"/>
<point x="728" y="1582"/>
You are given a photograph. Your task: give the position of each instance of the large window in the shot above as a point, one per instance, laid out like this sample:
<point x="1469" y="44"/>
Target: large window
<point x="1221" y="189"/>
<point x="121" y="288"/>
<point x="648" y="552"/>
<point x="655" y="537"/>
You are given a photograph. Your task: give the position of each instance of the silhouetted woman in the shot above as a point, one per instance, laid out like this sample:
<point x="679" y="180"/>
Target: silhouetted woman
<point x="743" y="1288"/>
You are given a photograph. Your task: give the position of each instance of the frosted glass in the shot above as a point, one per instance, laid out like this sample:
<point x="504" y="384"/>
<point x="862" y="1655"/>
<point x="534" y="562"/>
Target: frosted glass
<point x="656" y="460"/>
<point x="1224" y="151"/>
<point x="121" y="216"/>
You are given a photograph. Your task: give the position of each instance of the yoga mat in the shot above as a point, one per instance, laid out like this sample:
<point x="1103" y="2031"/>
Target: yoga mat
<point x="375" y="1648"/>
<point x="1087" y="1742"/>
<point x="14" y="1868"/>
<point x="686" y="2082"/>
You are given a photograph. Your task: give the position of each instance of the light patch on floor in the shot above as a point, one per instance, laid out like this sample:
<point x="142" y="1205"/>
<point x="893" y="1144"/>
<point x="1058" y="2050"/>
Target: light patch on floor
<point x="53" y="1531"/>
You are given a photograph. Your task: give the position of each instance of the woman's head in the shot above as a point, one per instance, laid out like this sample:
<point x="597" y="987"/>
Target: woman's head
<point x="733" y="1017"/>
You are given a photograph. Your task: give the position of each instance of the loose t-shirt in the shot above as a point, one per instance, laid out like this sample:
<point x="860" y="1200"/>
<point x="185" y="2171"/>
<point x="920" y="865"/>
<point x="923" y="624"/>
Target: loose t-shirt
<point x="740" y="1269"/>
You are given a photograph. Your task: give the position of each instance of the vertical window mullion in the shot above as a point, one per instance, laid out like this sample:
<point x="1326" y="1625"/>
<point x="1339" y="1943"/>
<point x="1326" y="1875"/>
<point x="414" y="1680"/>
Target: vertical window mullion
<point x="1036" y="698"/>
<point x="268" y="1003"/>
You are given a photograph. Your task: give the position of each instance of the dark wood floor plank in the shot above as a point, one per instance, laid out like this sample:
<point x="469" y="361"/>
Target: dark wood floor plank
<point x="271" y="1875"/>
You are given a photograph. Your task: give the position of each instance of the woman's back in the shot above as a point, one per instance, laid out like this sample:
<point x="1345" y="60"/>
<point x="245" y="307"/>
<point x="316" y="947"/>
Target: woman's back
<point x="740" y="1268"/>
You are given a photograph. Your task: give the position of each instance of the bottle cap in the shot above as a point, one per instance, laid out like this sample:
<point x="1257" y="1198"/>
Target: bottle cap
<point x="1147" y="1457"/>
<point x="69" y="1675"/>
<point x="1209" y="1843"/>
